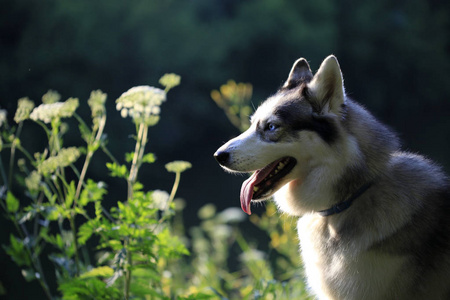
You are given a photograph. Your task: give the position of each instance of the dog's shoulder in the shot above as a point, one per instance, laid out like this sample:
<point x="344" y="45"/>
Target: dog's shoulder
<point x="417" y="173"/>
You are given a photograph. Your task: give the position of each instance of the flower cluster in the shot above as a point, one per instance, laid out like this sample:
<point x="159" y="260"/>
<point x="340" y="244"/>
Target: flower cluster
<point x="51" y="97"/>
<point x="64" y="158"/>
<point x="2" y="116"/>
<point x="48" y="112"/>
<point x="252" y="255"/>
<point x="24" y="108"/>
<point x="142" y="103"/>
<point x="178" y="166"/>
<point x="234" y="99"/>
<point x="169" y="81"/>
<point x="97" y="103"/>
<point x="160" y="199"/>
<point x="33" y="181"/>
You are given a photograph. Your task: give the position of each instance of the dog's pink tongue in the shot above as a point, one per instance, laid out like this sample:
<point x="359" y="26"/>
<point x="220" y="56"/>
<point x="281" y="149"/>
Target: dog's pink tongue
<point x="247" y="186"/>
<point x="247" y="193"/>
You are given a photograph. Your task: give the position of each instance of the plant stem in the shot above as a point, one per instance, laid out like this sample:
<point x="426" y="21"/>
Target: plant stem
<point x="106" y="151"/>
<point x="83" y="173"/>
<point x="74" y="233"/>
<point x="128" y="275"/>
<point x="88" y="157"/>
<point x="174" y="188"/>
<point x="2" y="170"/>
<point x="141" y="140"/>
<point x="134" y="165"/>
<point x="171" y="197"/>
<point x="13" y="152"/>
<point x="41" y="279"/>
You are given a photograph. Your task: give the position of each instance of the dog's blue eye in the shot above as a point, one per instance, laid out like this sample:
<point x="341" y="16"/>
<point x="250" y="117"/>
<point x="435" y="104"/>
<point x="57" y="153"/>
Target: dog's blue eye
<point x="271" y="127"/>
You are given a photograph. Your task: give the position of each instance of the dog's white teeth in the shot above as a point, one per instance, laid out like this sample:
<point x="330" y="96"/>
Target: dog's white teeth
<point x="280" y="167"/>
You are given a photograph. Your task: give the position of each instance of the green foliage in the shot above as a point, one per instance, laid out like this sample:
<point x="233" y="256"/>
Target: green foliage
<point x="117" y="170"/>
<point x="12" y="204"/>
<point x="135" y="237"/>
<point x="17" y="251"/>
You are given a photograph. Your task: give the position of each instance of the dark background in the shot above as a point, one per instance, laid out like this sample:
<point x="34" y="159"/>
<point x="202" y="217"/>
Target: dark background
<point x="394" y="56"/>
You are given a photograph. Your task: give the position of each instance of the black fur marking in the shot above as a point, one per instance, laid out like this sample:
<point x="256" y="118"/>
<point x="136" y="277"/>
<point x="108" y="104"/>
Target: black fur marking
<point x="292" y="114"/>
<point x="266" y="135"/>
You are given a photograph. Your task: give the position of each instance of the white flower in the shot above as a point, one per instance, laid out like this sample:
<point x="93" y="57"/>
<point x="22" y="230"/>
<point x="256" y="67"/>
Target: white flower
<point x="3" y="114"/>
<point x="221" y="232"/>
<point x="24" y="108"/>
<point x="65" y="157"/>
<point x="141" y="103"/>
<point x="178" y="166"/>
<point x="32" y="181"/>
<point x="252" y="255"/>
<point x="47" y="112"/>
<point x="97" y="103"/>
<point x="160" y="199"/>
<point x="51" y="97"/>
<point x="170" y="80"/>
<point x="232" y="215"/>
<point x="207" y="211"/>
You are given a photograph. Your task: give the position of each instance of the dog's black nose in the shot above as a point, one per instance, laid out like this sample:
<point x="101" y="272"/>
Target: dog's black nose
<point x="222" y="157"/>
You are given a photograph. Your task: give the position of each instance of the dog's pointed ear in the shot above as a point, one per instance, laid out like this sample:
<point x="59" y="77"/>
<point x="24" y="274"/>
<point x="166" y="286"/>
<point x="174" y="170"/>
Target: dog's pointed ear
<point x="300" y="72"/>
<point x="327" y="86"/>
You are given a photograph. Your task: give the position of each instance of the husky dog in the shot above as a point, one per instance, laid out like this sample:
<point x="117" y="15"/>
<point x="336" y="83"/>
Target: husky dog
<point x="374" y="221"/>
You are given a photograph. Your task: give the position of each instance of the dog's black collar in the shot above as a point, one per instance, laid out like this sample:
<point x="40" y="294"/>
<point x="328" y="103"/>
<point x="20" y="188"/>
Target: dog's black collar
<point x="340" y="207"/>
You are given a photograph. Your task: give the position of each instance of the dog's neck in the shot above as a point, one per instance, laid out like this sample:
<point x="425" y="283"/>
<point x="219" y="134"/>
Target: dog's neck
<point x="342" y="206"/>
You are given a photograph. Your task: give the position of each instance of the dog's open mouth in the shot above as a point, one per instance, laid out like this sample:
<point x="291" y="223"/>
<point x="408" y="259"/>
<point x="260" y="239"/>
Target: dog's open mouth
<point x="263" y="183"/>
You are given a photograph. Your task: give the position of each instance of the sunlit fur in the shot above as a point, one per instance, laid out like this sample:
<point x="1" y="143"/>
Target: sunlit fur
<point x="394" y="240"/>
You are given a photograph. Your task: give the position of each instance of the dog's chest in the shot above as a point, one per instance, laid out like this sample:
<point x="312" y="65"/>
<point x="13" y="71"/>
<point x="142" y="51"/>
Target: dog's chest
<point x="336" y="270"/>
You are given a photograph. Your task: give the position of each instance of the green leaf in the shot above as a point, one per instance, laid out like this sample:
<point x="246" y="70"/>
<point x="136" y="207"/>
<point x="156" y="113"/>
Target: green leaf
<point x="98" y="210"/>
<point x="12" y="204"/>
<point x="137" y="186"/>
<point x="52" y="213"/>
<point x="51" y="198"/>
<point x="104" y="271"/>
<point x="129" y="156"/>
<point x="90" y="288"/>
<point x="92" y="192"/>
<point x="59" y="242"/>
<point x="85" y="132"/>
<point x="17" y="251"/>
<point x="85" y="232"/>
<point x="169" y="245"/>
<point x="70" y="194"/>
<point x="149" y="158"/>
<point x="94" y="146"/>
<point x="117" y="170"/>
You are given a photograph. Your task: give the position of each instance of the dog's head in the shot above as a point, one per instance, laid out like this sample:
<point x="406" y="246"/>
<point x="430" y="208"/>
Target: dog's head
<point x="290" y="133"/>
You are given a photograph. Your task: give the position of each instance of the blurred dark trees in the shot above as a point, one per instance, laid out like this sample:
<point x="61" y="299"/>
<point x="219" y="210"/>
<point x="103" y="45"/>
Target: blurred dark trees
<point x="395" y="57"/>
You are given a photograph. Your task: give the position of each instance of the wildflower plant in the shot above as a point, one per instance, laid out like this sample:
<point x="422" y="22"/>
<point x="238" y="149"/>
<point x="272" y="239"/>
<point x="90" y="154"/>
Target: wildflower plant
<point x="62" y="208"/>
<point x="234" y="99"/>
